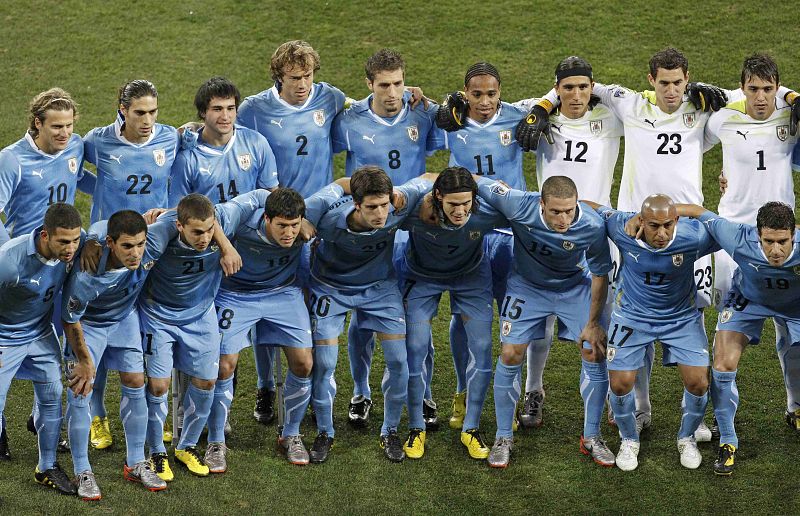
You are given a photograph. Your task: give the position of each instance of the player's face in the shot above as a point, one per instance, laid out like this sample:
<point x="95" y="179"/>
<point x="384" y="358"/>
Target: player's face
<point x="777" y="244"/>
<point x="559" y="212"/>
<point x="197" y="233"/>
<point x="760" y="97"/>
<point x="574" y="93"/>
<point x="387" y="92"/>
<point x="61" y="244"/>
<point x="456" y="206"/>
<point x="220" y="117"/>
<point x="483" y="96"/>
<point x="283" y="231"/>
<point x="140" y="118"/>
<point x="669" y="86"/>
<point x="55" y="131"/>
<point x="374" y="210"/>
<point x="296" y="84"/>
<point x="658" y="229"/>
<point x="128" y="249"/>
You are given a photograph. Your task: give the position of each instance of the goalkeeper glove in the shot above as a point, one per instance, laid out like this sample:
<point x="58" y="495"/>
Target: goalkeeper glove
<point x="706" y="97"/>
<point x="793" y="99"/>
<point x="452" y="114"/>
<point x="530" y="128"/>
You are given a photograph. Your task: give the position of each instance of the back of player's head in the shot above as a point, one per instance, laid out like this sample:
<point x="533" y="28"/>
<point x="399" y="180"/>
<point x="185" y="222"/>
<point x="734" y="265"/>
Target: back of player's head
<point x="136" y="89"/>
<point x="384" y="60"/>
<point x="293" y="54"/>
<point x="61" y="215"/>
<point x="285" y="203"/>
<point x="559" y="187"/>
<point x="194" y="206"/>
<point x="125" y="222"/>
<point x="481" y="68"/>
<point x="775" y="215"/>
<point x="761" y="66"/>
<point x="369" y="180"/>
<point x="455" y="180"/>
<point x="573" y="66"/>
<point x="54" y="98"/>
<point x="215" y="87"/>
<point x="669" y="59"/>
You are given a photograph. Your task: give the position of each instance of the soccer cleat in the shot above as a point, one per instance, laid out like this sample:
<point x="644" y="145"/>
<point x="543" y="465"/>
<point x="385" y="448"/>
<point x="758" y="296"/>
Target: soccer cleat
<point x="703" y="433"/>
<point x="628" y="456"/>
<point x="294" y="449"/>
<point x="160" y="464"/>
<point x="215" y="458"/>
<point x="55" y="478"/>
<point x="431" y="415"/>
<point x="88" y="490"/>
<point x="31" y="425"/>
<point x="358" y="412"/>
<point x="143" y="473"/>
<point x="167" y="436"/>
<point x="190" y="457"/>
<point x="643" y="422"/>
<point x="392" y="447"/>
<point x="459" y="410"/>
<point x="793" y="419"/>
<point x="474" y="442"/>
<point x="264" y="411"/>
<point x="725" y="459"/>
<point x="690" y="455"/>
<point x="415" y="445"/>
<point x="531" y="414"/>
<point x="596" y="448"/>
<point x="100" y="433"/>
<point x="321" y="448"/>
<point x="715" y="429"/>
<point x="5" y="452"/>
<point x="500" y="455"/>
<point x="63" y="446"/>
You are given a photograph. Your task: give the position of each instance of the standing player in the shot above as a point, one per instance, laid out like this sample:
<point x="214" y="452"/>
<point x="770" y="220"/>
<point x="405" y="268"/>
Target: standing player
<point x="33" y="268"/>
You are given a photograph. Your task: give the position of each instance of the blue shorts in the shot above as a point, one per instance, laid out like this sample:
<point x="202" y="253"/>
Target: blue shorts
<point x="280" y="317"/>
<point x="746" y="317"/>
<point x="38" y="360"/>
<point x="684" y="342"/>
<point x="118" y="345"/>
<point x="379" y="308"/>
<point x="193" y="347"/>
<point x="525" y="308"/>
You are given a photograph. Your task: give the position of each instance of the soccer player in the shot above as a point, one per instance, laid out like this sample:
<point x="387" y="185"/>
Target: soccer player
<point x="352" y="270"/>
<point x="33" y="268"/>
<point x="656" y="301"/>
<point x="176" y="310"/>
<point x="556" y="240"/>
<point x="99" y="312"/>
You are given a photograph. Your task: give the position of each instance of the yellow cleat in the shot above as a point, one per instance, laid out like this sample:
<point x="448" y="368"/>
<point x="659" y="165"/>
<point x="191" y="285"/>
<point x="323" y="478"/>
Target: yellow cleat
<point x="191" y="458"/>
<point x="415" y="445"/>
<point x="100" y="433"/>
<point x="167" y="436"/>
<point x="474" y="442"/>
<point x="161" y="467"/>
<point x="459" y="410"/>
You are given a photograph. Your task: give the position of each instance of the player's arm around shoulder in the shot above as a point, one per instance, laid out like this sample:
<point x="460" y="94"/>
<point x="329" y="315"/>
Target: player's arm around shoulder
<point x="511" y="203"/>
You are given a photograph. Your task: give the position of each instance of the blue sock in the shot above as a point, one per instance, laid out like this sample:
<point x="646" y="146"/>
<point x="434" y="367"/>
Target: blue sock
<point x="157" y="408"/>
<point x="133" y="414"/>
<point x="264" y="357"/>
<point x="428" y="369"/>
<point x="97" y="405"/>
<point x="594" y="386"/>
<point x="506" y="394"/>
<point x="296" y="395"/>
<point x="324" y="386"/>
<point x="693" y="408"/>
<point x="360" y="348"/>
<point x="789" y="358"/>
<point x="196" y="406"/>
<point x="459" y="350"/>
<point x="220" y="408"/>
<point x="479" y="369"/>
<point x="417" y="334"/>
<point x="395" y="383"/>
<point x="641" y="388"/>
<point x="725" y="397"/>
<point x="48" y="421"/>
<point x="625" y="414"/>
<point x="78" y="421"/>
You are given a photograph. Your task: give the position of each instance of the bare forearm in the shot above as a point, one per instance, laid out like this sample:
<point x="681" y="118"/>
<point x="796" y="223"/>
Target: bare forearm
<point x="599" y="295"/>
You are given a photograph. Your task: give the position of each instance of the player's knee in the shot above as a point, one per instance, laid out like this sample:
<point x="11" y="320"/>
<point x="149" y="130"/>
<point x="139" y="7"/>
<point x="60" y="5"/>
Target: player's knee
<point x="301" y="366"/>
<point x="590" y="355"/>
<point x="204" y="385"/>
<point x="621" y="385"/>
<point x="512" y="355"/>
<point x="132" y="380"/>
<point x="697" y="386"/>
<point x="158" y="386"/>
<point x="227" y="365"/>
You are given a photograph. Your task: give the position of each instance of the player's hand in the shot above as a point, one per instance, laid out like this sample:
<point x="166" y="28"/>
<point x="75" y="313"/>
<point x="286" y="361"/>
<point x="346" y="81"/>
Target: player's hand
<point x="593" y="101"/>
<point x="230" y="260"/>
<point x="452" y="114"/>
<point x="90" y="256"/>
<point x="307" y="231"/>
<point x="723" y="182"/>
<point x="152" y="214"/>
<point x="80" y="379"/>
<point x="706" y="97"/>
<point x="533" y="126"/>
<point x="191" y="126"/>
<point x="398" y="200"/>
<point x="633" y="228"/>
<point x="793" y="98"/>
<point x="595" y="335"/>
<point x="417" y="96"/>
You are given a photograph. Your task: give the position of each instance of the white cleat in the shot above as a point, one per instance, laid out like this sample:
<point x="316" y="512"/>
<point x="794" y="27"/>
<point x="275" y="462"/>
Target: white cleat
<point x="628" y="456"/>
<point x="703" y="433"/>
<point x="690" y="455"/>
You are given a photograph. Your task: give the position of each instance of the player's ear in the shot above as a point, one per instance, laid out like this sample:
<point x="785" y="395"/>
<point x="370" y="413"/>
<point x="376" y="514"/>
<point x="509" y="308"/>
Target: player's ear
<point x="651" y="80"/>
<point x="369" y="83"/>
<point x="109" y="240"/>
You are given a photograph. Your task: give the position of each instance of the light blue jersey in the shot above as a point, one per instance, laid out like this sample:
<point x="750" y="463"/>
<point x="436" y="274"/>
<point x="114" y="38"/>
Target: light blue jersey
<point x="245" y="163"/>
<point x="32" y="180"/>
<point x="545" y="258"/>
<point x="181" y="286"/>
<point x="398" y="145"/>
<point x="28" y="286"/>
<point x="490" y="149"/>
<point x="300" y="136"/>
<point x="130" y="176"/>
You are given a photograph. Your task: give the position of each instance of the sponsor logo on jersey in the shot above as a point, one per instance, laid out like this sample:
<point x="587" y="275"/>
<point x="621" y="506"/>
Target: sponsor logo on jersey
<point x="689" y="119"/>
<point x="782" y="132"/>
<point x="499" y="189"/>
<point x="506" y="328"/>
<point x="462" y="137"/>
<point x="149" y="265"/>
<point x="611" y="352"/>
<point x="595" y="127"/>
<point x="244" y="161"/>
<point x="567" y="245"/>
<point x="38" y="173"/>
<point x="619" y="92"/>
<point x="677" y="259"/>
<point x="160" y="157"/>
<point x="319" y="117"/>
<point x="505" y="138"/>
<point x="73" y="163"/>
<point x="726" y="315"/>
<point x="474" y="235"/>
<point x="413" y="133"/>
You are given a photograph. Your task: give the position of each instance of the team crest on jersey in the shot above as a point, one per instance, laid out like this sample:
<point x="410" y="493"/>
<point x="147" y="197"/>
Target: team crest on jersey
<point x="782" y="132"/>
<point x="689" y="119"/>
<point x="413" y="133"/>
<point x="499" y="189"/>
<point x="505" y="138"/>
<point x="677" y="259"/>
<point x="567" y="245"/>
<point x="213" y="248"/>
<point x="160" y="157"/>
<point x="506" y="328"/>
<point x="319" y="117"/>
<point x="244" y="161"/>
<point x="73" y="304"/>
<point x="149" y="265"/>
<point x="73" y="164"/>
<point x="595" y="127"/>
<point x="611" y="352"/>
<point x="474" y="235"/>
<point x="726" y="315"/>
